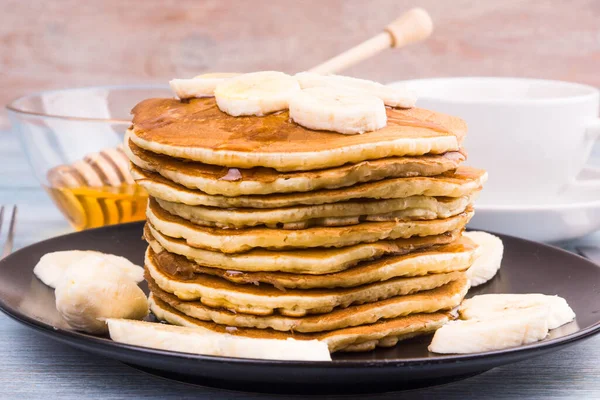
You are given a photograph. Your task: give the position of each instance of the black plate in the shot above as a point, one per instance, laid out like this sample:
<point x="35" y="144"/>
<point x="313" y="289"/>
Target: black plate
<point x="527" y="267"/>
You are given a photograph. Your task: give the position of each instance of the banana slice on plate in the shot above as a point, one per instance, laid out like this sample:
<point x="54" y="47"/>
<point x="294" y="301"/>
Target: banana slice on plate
<point x="52" y="266"/>
<point x="397" y="96"/>
<point x="257" y="93"/>
<point x="199" y="86"/>
<point x="495" y="306"/>
<point x="499" y="321"/>
<point x="513" y="329"/>
<point x="489" y="257"/>
<point x="337" y="110"/>
<point x="202" y="341"/>
<point x="93" y="289"/>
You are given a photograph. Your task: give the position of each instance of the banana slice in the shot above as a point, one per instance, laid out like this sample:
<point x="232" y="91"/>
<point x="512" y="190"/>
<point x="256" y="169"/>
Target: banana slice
<point x="199" y="86"/>
<point x="257" y="93"/>
<point x="489" y="257"/>
<point x="93" y="289"/>
<point x="473" y="336"/>
<point x="337" y="110"/>
<point x="492" y="306"/>
<point x="52" y="266"/>
<point x="398" y="96"/>
<point x="202" y="341"/>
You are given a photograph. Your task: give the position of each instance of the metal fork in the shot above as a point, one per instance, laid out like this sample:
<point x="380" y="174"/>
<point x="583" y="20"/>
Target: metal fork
<point x="10" y="238"/>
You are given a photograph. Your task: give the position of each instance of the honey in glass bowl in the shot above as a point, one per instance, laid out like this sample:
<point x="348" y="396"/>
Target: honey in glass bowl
<point x="89" y="207"/>
<point x="97" y="190"/>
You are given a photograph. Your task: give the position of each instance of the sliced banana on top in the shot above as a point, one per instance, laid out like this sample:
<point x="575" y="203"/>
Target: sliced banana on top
<point x="473" y="336"/>
<point x="203" y="341"/>
<point x="398" y="96"/>
<point x="329" y="102"/>
<point x="489" y="257"/>
<point x="495" y="306"/>
<point x="337" y="110"/>
<point x="199" y="86"/>
<point x="257" y="93"/>
<point x="52" y="266"/>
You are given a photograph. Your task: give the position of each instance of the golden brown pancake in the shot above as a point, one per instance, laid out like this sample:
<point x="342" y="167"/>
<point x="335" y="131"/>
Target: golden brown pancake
<point x="457" y="256"/>
<point x="336" y="214"/>
<point x="266" y="300"/>
<point x="444" y="297"/>
<point x="240" y="240"/>
<point x="197" y="130"/>
<point x="314" y="261"/>
<point x="384" y="333"/>
<point x="463" y="182"/>
<point x="219" y="180"/>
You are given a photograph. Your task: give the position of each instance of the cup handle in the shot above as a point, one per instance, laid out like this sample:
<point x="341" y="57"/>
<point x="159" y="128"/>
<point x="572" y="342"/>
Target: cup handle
<point x="592" y="134"/>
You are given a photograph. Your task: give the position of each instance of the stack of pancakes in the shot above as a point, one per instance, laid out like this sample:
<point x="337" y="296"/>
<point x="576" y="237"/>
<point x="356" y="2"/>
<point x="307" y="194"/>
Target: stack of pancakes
<point x="260" y="227"/>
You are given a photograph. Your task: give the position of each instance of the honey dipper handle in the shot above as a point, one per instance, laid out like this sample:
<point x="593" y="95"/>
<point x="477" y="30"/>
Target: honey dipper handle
<point x="413" y="26"/>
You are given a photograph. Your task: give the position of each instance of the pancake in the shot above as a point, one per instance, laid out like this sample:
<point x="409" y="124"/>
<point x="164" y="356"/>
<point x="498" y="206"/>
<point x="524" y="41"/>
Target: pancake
<point x="457" y="256"/>
<point x="219" y="180"/>
<point x="197" y="130"/>
<point x="336" y="214"/>
<point x="303" y="261"/>
<point x="463" y="182"/>
<point x="266" y="300"/>
<point x="240" y="240"/>
<point x="385" y="333"/>
<point x="445" y="297"/>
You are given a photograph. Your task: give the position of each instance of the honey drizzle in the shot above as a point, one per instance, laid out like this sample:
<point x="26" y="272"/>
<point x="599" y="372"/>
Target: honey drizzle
<point x="416" y="123"/>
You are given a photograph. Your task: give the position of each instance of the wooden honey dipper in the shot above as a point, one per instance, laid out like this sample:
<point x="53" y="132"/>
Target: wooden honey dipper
<point x="109" y="167"/>
<point x="413" y="26"/>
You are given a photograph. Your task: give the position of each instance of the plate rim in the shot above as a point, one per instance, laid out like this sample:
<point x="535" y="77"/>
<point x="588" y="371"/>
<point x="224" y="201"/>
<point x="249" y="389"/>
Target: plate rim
<point x="64" y="335"/>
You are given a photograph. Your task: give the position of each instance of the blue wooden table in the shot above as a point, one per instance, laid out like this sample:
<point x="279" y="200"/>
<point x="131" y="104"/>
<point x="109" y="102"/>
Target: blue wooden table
<point x="34" y="367"/>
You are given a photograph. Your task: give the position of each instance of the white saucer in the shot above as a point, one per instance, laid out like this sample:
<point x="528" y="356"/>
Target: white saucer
<point x="545" y="222"/>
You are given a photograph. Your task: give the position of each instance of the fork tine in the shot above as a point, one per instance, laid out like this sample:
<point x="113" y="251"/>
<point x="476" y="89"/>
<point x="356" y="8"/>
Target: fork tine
<point x="10" y="239"/>
<point x="1" y="218"/>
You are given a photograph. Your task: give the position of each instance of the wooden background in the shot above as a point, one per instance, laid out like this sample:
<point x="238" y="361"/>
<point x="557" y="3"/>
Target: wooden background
<point x="64" y="43"/>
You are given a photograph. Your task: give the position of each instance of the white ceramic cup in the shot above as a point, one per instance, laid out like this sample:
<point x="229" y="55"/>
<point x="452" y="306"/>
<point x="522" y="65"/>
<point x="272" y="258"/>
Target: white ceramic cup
<point x="532" y="136"/>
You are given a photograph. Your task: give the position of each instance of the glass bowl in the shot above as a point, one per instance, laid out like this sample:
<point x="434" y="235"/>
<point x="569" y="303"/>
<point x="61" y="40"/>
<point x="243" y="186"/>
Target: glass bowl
<point x="73" y="140"/>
